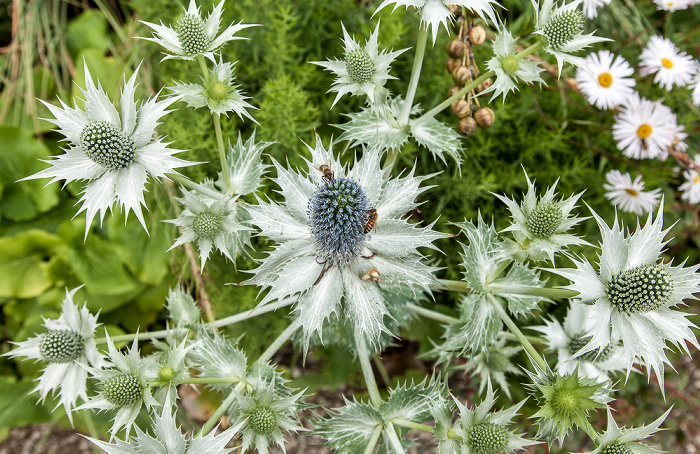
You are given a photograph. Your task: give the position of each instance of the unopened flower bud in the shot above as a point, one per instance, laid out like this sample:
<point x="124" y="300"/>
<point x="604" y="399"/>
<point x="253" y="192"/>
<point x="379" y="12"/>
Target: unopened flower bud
<point x="477" y="35"/>
<point x="466" y="126"/>
<point x="452" y="63"/>
<point x="484" y="117"/>
<point x="460" y="108"/>
<point x="460" y="75"/>
<point x="485" y="85"/>
<point x="455" y="48"/>
<point x="563" y="27"/>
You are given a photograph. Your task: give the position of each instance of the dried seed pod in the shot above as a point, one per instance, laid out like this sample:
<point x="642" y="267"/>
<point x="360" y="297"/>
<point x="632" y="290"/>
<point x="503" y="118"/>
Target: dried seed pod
<point x="452" y="63"/>
<point x="466" y="126"/>
<point x="485" y="85"/>
<point x="477" y="35"/>
<point x="460" y="108"/>
<point x="455" y="48"/>
<point x="484" y="117"/>
<point x="460" y="75"/>
<point x="453" y="91"/>
<point x="455" y="9"/>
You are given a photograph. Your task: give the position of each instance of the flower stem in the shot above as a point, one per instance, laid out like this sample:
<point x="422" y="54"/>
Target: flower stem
<point x="177" y="178"/>
<point x="412" y="425"/>
<point x="497" y="271"/>
<point x="544" y="292"/>
<point x="427" y="313"/>
<point x="390" y="432"/>
<point x="363" y="355"/>
<point x="208" y="380"/>
<point x="277" y="343"/>
<point x="373" y="441"/>
<point x="415" y="75"/>
<point x="213" y="419"/>
<point x="222" y="150"/>
<point x="516" y="331"/>
<point x="203" y="67"/>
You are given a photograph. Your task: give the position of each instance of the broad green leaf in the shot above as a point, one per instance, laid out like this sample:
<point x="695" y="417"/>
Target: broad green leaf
<point x="87" y="31"/>
<point x="24" y="263"/>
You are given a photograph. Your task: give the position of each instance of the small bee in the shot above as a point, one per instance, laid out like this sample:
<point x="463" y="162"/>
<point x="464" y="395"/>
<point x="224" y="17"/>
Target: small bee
<point x="372" y="274"/>
<point x="328" y="176"/>
<point x="371" y="220"/>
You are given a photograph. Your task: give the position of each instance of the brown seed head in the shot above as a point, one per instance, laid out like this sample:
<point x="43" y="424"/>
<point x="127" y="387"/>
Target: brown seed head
<point x="477" y="35"/>
<point x="460" y="75"/>
<point x="466" y="126"/>
<point x="452" y="63"/>
<point x="484" y="117"/>
<point x="455" y="48"/>
<point x="460" y="108"/>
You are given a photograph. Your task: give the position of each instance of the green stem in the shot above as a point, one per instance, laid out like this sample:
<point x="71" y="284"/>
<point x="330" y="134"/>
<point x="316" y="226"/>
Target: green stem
<point x="277" y="343"/>
<point x="208" y="380"/>
<point x="203" y="66"/>
<point x="363" y="355"/>
<point x="391" y="156"/>
<point x="375" y="438"/>
<point x="490" y="278"/>
<point x="427" y="313"/>
<point x="213" y="419"/>
<point x="543" y="292"/>
<point x="222" y="150"/>
<point x="412" y="425"/>
<point x="415" y="75"/>
<point x="516" y="331"/>
<point x="390" y="432"/>
<point x="382" y="370"/>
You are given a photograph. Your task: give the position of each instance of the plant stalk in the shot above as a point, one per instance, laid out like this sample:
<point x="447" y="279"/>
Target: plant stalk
<point x="375" y="438"/>
<point x="278" y="343"/>
<point x="412" y="425"/>
<point x="415" y="75"/>
<point x="433" y="315"/>
<point x="363" y="355"/>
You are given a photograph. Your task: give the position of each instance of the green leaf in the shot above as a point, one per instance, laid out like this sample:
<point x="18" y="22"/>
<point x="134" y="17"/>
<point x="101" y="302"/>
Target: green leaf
<point x="439" y="139"/>
<point x="108" y="70"/>
<point x="15" y="396"/>
<point x="480" y="256"/>
<point x="413" y="402"/>
<point x="25" y="260"/>
<point x="87" y="31"/>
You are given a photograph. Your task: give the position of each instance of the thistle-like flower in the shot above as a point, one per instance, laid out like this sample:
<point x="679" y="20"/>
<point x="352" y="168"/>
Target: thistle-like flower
<point x="172" y="370"/>
<point x="630" y="196"/>
<point x="123" y="386"/>
<point x="363" y="71"/>
<point x="67" y="346"/>
<point x="192" y="36"/>
<point x="182" y="308"/>
<point x="217" y="92"/>
<point x="116" y="154"/>
<point x="633" y="294"/>
<point x="509" y="68"/>
<point x="624" y="441"/>
<point x="342" y="239"/>
<point x="540" y="226"/>
<point x="562" y="26"/>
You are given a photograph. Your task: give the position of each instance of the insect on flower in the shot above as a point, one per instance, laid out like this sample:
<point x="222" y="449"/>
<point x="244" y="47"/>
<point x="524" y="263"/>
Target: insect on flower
<point x="371" y="220"/>
<point x="372" y="274"/>
<point x="328" y="176"/>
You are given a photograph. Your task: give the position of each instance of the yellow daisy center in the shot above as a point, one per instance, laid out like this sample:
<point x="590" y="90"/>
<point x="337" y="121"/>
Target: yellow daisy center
<point x="644" y="131"/>
<point x="667" y="63"/>
<point x="696" y="179"/>
<point x="632" y="192"/>
<point x="605" y="80"/>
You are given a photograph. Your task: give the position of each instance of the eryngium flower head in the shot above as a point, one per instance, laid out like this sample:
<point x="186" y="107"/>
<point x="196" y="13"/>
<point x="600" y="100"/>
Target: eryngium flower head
<point x="364" y="70"/>
<point x="562" y="26"/>
<point x="342" y="239"/>
<point x="67" y="346"/>
<point x="217" y="92"/>
<point x="510" y="69"/>
<point x="633" y="294"/>
<point x="630" y="196"/>
<point x="624" y="441"/>
<point x="115" y="153"/>
<point x="191" y="36"/>
<point x="492" y="364"/>
<point x="123" y="386"/>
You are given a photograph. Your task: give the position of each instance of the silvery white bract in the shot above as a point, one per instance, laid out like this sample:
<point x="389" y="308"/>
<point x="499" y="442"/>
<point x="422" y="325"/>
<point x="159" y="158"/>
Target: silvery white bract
<point x="172" y="367"/>
<point x="123" y="386"/>
<point x="246" y="167"/>
<point x="571" y="337"/>
<point x="540" y="225"/>
<point x="192" y="36"/>
<point x="633" y="294"/>
<point x="508" y="68"/>
<point x="364" y="70"/>
<point x="182" y="308"/>
<point x="329" y="254"/>
<point x="214" y="356"/>
<point x="168" y="439"/>
<point x="621" y="440"/>
<point x="116" y="151"/>
<point x="67" y="346"/>
<point x="383" y="132"/>
<point x="562" y="26"/>
<point x="492" y="364"/>
<point x="435" y="12"/>
<point x="217" y="92"/>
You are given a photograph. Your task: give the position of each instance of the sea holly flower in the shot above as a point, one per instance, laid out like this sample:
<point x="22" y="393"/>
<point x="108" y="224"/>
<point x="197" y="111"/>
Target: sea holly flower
<point x="562" y="26"/>
<point x="182" y="308"/>
<point x="217" y="92"/>
<point x="625" y="441"/>
<point x="492" y="364"/>
<point x="568" y="339"/>
<point x="540" y="225"/>
<point x="691" y="186"/>
<point x="630" y="196"/>
<point x="67" y="346"/>
<point x="671" y="66"/>
<point x="435" y="12"/>
<point x="633" y="294"/>
<point x="510" y="69"/>
<point x="171" y="365"/>
<point x="363" y="71"/>
<point x="590" y="7"/>
<point x="335" y="227"/>
<point x="168" y="438"/>
<point x="123" y="386"/>
<point x="192" y="36"/>
<point x="115" y="153"/>
<point x="607" y="83"/>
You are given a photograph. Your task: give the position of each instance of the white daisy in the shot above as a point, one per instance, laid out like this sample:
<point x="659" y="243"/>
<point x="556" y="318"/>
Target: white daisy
<point x="671" y="5"/>
<point x="363" y="71"/>
<point x="191" y="36"/>
<point x="672" y="67"/>
<point x="335" y="227"/>
<point x="115" y="154"/>
<point x="633" y="294"/>
<point x="645" y="129"/>
<point x="67" y="346"/>
<point x="630" y="196"/>
<point x="568" y="339"/>
<point x="695" y="85"/>
<point x="691" y="187"/>
<point x="607" y="83"/>
<point x="590" y="7"/>
<point x="435" y="12"/>
<point x="616" y="440"/>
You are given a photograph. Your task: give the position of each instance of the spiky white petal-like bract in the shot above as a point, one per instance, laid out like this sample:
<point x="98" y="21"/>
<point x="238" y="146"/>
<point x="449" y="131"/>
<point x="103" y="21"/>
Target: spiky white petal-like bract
<point x="363" y="71"/>
<point x="607" y="82"/>
<point x="540" y="226"/>
<point x="246" y="167"/>
<point x="171" y="365"/>
<point x="192" y="36"/>
<point x="491" y="365"/>
<point x="671" y="66"/>
<point x="215" y="356"/>
<point x="630" y="196"/>
<point x="509" y="69"/>
<point x="691" y="186"/>
<point x="168" y="439"/>
<point x="562" y="27"/>
<point x="68" y="345"/>
<point x="115" y="151"/>
<point x="569" y="338"/>
<point x="123" y="386"/>
<point x="182" y="308"/>
<point x="590" y="7"/>
<point x="617" y="439"/>
<point x="633" y="295"/>
<point x="435" y="12"/>
<point x="217" y="92"/>
<point x="322" y="256"/>
<point x="448" y="433"/>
